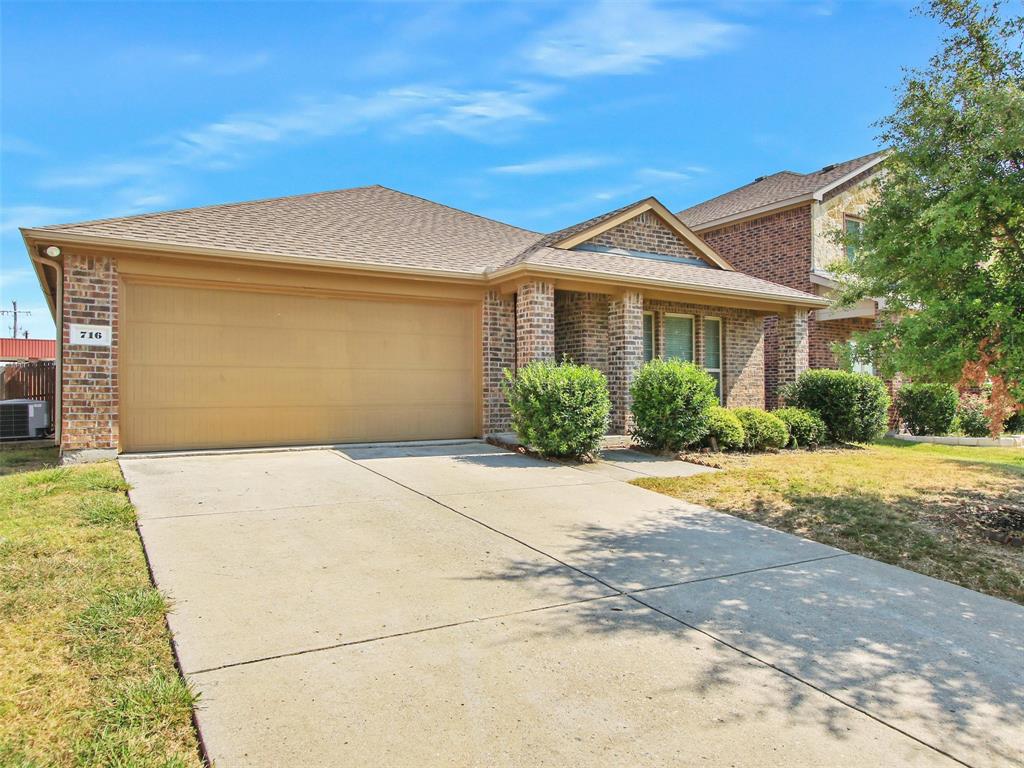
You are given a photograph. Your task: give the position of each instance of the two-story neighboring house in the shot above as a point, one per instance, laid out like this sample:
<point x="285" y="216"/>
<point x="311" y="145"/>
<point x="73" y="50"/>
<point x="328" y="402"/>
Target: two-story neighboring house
<point x="782" y="228"/>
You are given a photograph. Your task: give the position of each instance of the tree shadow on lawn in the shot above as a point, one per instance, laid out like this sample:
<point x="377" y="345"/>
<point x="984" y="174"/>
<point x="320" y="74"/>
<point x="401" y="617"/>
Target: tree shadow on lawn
<point x="939" y="662"/>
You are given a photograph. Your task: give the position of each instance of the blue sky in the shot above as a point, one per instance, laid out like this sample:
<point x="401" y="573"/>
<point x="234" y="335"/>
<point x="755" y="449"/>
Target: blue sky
<point x="538" y="114"/>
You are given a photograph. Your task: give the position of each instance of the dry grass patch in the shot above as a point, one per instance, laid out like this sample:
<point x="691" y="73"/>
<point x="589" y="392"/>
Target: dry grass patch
<point x="929" y="508"/>
<point x="86" y="672"/>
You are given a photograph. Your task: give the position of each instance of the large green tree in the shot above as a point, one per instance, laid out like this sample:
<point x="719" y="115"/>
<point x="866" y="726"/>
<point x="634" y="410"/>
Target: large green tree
<point x="943" y="246"/>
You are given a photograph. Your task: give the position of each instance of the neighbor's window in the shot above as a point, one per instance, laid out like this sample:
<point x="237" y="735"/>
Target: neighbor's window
<point x="853" y="228"/>
<point x="648" y="336"/>
<point x="859" y="366"/>
<point x="713" y="352"/>
<point x="679" y="337"/>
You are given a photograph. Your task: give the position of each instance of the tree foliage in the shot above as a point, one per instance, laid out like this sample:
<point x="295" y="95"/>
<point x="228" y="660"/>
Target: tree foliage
<point x="943" y="245"/>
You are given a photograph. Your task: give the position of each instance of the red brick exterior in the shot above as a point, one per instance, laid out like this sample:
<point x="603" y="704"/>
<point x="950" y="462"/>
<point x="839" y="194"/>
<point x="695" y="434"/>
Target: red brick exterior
<point x="778" y="247"/>
<point x="535" y="322"/>
<point x="775" y="247"/>
<point x="831" y="332"/>
<point x="89" y="393"/>
<point x="648" y="233"/>
<point x="793" y="349"/>
<point x="499" y="353"/>
<point x="581" y="328"/>
<point x="742" y="346"/>
<point x="625" y="354"/>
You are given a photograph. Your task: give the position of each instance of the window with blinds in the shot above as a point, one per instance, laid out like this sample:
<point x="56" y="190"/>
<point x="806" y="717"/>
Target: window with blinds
<point x="713" y="351"/>
<point x="679" y="342"/>
<point x="648" y="336"/>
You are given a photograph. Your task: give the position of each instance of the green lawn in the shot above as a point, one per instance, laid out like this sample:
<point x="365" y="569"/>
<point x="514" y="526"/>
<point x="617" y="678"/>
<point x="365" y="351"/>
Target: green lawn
<point x="935" y="509"/>
<point x="87" y="677"/>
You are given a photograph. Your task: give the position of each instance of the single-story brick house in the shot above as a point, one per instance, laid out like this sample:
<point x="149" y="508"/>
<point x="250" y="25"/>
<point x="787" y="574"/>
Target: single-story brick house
<point x="367" y="314"/>
<point x="781" y="228"/>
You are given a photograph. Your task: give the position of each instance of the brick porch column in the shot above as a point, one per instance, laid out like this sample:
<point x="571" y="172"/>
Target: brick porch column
<point x="793" y="349"/>
<point x="535" y="322"/>
<point x="499" y="353"/>
<point x="625" y="354"/>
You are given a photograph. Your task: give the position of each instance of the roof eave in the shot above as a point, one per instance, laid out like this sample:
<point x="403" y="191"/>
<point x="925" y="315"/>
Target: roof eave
<point x="523" y="268"/>
<point x="49" y="236"/>
<point x="819" y="194"/>
<point x="752" y="213"/>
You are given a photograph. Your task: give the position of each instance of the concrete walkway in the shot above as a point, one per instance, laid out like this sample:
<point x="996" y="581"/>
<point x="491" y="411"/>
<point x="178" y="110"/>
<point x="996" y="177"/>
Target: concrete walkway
<point x="465" y="605"/>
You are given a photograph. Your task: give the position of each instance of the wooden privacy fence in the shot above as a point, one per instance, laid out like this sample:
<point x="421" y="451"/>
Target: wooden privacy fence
<point x="36" y="380"/>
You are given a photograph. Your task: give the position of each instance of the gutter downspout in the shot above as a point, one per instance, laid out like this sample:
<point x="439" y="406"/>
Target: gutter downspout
<point x="58" y="408"/>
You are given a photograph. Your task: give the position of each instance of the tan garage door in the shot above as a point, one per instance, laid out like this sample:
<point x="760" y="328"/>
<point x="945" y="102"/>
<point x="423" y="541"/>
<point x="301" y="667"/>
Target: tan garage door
<point x="204" y="367"/>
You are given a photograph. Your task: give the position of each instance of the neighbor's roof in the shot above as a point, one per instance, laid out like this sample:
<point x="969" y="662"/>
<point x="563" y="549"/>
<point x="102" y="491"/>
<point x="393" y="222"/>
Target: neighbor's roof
<point x="779" y="189"/>
<point x="28" y="349"/>
<point x="382" y="228"/>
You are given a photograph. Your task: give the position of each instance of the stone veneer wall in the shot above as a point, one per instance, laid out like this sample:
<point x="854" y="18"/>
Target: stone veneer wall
<point x="581" y="328"/>
<point x="645" y="232"/>
<point x="499" y="353"/>
<point x="625" y="354"/>
<point x="742" y="347"/>
<point x="89" y="396"/>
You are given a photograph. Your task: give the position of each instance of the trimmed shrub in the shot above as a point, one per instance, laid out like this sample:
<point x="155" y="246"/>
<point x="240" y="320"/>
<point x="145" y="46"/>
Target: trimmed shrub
<point x="970" y="416"/>
<point x="805" y="427"/>
<point x="561" y="409"/>
<point x="726" y="429"/>
<point x="926" y="409"/>
<point x="672" y="403"/>
<point x="854" y="406"/>
<point x="762" y="429"/>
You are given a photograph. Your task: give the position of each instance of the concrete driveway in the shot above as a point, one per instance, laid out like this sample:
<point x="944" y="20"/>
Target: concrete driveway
<point x="462" y="605"/>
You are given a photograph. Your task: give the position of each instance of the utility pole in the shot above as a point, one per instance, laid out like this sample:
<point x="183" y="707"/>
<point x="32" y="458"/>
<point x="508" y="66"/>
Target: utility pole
<point x="14" y="313"/>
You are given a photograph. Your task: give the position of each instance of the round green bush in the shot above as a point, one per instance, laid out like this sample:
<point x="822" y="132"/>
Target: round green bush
<point x="762" y="429"/>
<point x="560" y="409"/>
<point x="806" y="428"/>
<point x="970" y="415"/>
<point x="726" y="430"/>
<point x="672" y="403"/>
<point x="854" y="406"/>
<point x="926" y="409"/>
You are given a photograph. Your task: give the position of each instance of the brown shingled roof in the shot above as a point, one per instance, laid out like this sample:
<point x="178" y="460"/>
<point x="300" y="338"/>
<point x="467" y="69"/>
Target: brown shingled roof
<point x="370" y="225"/>
<point x="382" y="228"/>
<point x="770" y="190"/>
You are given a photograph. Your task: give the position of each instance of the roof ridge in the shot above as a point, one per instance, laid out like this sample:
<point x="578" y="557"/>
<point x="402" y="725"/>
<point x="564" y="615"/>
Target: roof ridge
<point x="236" y="204"/>
<point x="457" y="210"/>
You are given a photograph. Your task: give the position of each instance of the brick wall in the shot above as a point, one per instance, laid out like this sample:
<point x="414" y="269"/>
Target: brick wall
<point x="775" y="247"/>
<point x="535" y="322"/>
<point x="742" y="346"/>
<point x="625" y="354"/>
<point x="823" y="334"/>
<point x="499" y="353"/>
<point x="648" y="233"/>
<point x="581" y="328"/>
<point x="793" y="349"/>
<point x="89" y="374"/>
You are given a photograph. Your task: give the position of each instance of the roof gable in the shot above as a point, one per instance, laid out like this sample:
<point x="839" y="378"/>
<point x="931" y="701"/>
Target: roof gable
<point x="646" y="227"/>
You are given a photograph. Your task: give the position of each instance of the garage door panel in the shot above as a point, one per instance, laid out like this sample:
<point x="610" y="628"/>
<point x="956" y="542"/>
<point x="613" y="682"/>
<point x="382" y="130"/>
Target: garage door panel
<point x="203" y="367"/>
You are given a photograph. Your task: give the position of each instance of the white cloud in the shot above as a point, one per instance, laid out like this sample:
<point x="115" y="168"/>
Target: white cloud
<point x="481" y="115"/>
<point x="221" y="63"/>
<point x="618" y="38"/>
<point x="15" y="216"/>
<point x="662" y="174"/>
<point x="15" y="145"/>
<point x="557" y="164"/>
<point x="9" y="277"/>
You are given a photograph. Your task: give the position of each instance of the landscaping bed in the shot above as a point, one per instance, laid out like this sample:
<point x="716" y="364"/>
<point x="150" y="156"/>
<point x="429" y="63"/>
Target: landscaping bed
<point x="935" y="509"/>
<point x="87" y="676"/>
